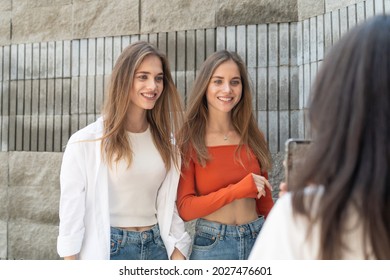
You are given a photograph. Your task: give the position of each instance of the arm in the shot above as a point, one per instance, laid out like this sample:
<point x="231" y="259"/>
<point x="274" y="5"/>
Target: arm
<point x="72" y="202"/>
<point x="191" y="206"/>
<point x="177" y="255"/>
<point x="265" y="203"/>
<point x="68" y="258"/>
<point x="177" y="241"/>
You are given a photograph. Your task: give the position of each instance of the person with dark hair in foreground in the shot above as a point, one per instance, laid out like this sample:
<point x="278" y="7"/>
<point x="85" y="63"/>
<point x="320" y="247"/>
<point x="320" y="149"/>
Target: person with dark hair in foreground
<point x="340" y="208"/>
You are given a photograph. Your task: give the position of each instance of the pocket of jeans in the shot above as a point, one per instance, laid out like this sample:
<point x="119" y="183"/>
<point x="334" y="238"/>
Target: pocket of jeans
<point x="159" y="242"/>
<point x="204" y="240"/>
<point x="115" y="244"/>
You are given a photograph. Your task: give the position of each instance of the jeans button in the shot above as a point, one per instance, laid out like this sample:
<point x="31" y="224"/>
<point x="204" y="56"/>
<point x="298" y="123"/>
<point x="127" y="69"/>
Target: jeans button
<point x="144" y="236"/>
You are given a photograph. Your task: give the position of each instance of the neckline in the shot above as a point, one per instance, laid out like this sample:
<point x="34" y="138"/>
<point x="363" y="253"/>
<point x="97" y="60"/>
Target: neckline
<point x="222" y="146"/>
<point x="138" y="133"/>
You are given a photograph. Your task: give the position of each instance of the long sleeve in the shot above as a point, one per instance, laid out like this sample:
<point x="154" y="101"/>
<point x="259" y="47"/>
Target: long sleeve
<point x="192" y="206"/>
<point x="265" y="203"/>
<point x="171" y="225"/>
<point x="72" y="201"/>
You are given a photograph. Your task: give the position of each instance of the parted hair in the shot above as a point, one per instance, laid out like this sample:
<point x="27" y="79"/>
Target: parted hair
<point x="192" y="135"/>
<point x="349" y="113"/>
<point x="164" y="119"/>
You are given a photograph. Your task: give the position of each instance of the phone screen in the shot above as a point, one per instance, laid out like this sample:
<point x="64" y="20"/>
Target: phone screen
<point x="295" y="156"/>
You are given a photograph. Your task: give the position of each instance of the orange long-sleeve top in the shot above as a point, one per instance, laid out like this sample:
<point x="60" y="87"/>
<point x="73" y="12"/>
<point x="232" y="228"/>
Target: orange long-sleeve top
<point x="203" y="190"/>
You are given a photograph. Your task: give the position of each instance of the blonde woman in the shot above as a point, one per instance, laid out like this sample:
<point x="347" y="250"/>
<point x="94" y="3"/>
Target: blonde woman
<point x="224" y="174"/>
<point x="119" y="175"/>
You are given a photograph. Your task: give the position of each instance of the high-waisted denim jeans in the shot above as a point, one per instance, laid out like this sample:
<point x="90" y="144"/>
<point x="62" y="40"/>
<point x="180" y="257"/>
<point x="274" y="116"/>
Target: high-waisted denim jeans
<point x="215" y="241"/>
<point x="137" y="245"/>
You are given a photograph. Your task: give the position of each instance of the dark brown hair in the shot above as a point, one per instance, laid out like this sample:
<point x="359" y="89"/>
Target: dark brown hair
<point x="349" y="113"/>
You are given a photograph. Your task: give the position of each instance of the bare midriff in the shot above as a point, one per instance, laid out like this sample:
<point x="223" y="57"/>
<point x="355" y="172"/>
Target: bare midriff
<point x="238" y="212"/>
<point x="136" y="228"/>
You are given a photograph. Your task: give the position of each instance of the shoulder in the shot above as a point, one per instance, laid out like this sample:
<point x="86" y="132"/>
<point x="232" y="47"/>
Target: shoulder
<point x="92" y="131"/>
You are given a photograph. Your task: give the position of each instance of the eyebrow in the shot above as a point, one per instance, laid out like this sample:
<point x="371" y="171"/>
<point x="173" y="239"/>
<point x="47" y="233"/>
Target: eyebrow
<point x="145" y="72"/>
<point x="219" y="77"/>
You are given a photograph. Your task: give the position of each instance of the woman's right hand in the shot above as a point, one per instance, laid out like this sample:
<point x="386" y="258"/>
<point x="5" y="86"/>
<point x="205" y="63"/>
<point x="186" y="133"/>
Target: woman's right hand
<point x="261" y="183"/>
<point x="73" y="257"/>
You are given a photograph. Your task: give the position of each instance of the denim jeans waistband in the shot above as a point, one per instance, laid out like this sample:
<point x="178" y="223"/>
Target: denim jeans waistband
<point x="142" y="236"/>
<point x="223" y="230"/>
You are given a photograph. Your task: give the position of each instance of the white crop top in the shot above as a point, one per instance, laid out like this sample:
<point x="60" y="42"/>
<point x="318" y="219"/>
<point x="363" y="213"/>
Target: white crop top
<point x="133" y="191"/>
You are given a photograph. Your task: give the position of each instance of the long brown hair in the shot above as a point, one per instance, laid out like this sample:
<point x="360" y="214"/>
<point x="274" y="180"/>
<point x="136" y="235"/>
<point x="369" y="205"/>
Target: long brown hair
<point x="192" y="135"/>
<point x="349" y="113"/>
<point x="164" y="119"/>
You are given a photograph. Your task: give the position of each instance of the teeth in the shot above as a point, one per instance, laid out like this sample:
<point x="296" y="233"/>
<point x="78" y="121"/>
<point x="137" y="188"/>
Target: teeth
<point x="226" y="99"/>
<point x="149" y="95"/>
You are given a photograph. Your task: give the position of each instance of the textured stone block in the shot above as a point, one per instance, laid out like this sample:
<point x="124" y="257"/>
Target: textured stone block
<point x="310" y="8"/>
<point x="32" y="241"/>
<point x="34" y="169"/>
<point x="234" y="12"/>
<point x="5" y="27"/>
<point x="31" y="24"/>
<point x="3" y="204"/>
<point x="38" y="204"/>
<point x="106" y="17"/>
<point x="157" y="16"/>
<point x="23" y="4"/>
<point x="3" y="170"/>
<point x="5" y="5"/>
<point x="332" y="5"/>
<point x="3" y="239"/>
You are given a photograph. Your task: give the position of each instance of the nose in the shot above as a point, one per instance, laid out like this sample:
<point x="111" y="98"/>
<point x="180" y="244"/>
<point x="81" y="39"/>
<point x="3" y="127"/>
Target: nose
<point x="226" y="87"/>
<point x="152" y="85"/>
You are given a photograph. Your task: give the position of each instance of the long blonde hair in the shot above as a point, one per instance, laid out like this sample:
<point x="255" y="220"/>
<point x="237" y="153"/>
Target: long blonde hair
<point x="164" y="119"/>
<point x="192" y="134"/>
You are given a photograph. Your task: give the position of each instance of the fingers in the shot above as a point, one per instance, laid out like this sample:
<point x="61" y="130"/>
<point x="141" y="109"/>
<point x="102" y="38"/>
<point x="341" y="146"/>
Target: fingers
<point x="282" y="189"/>
<point x="268" y="185"/>
<point x="283" y="186"/>
<point x="261" y="183"/>
<point x="261" y="192"/>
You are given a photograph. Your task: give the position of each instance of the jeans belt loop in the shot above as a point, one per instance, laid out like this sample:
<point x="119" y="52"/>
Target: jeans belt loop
<point x="124" y="238"/>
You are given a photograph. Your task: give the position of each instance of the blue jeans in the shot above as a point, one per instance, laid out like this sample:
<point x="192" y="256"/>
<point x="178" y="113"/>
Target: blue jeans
<point x="137" y="245"/>
<point x="215" y="241"/>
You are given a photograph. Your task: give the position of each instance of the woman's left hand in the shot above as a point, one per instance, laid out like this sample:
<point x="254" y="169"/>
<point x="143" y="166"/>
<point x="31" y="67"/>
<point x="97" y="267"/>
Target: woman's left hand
<point x="177" y="255"/>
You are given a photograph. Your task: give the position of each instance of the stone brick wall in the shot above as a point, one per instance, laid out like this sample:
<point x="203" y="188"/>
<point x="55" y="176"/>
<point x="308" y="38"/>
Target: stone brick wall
<point x="24" y="21"/>
<point x="51" y="89"/>
<point x="29" y="196"/>
<point x="52" y="81"/>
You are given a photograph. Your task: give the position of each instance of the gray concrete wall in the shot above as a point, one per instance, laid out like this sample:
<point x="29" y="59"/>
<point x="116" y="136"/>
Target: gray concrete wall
<point x="49" y="89"/>
<point x="29" y="196"/>
<point x="23" y="21"/>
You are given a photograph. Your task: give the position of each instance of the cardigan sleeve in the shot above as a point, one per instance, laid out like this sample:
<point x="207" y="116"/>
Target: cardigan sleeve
<point x="192" y="206"/>
<point x="72" y="200"/>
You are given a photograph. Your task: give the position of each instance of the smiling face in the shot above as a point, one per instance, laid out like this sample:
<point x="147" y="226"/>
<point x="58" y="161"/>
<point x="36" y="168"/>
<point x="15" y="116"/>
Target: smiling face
<point x="225" y="88"/>
<point x="148" y="84"/>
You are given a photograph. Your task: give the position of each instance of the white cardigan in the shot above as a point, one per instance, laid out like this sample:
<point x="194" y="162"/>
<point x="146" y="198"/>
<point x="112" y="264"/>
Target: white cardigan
<point x="284" y="236"/>
<point x="84" y="227"/>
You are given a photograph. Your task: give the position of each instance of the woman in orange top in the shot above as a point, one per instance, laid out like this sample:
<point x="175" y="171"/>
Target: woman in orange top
<point x="224" y="180"/>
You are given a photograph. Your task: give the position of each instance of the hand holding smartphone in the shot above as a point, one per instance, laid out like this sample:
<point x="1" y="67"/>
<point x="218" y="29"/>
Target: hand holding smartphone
<point x="294" y="157"/>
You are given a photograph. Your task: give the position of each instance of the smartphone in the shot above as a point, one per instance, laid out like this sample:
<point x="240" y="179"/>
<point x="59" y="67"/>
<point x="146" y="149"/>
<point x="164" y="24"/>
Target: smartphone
<point x="295" y="156"/>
